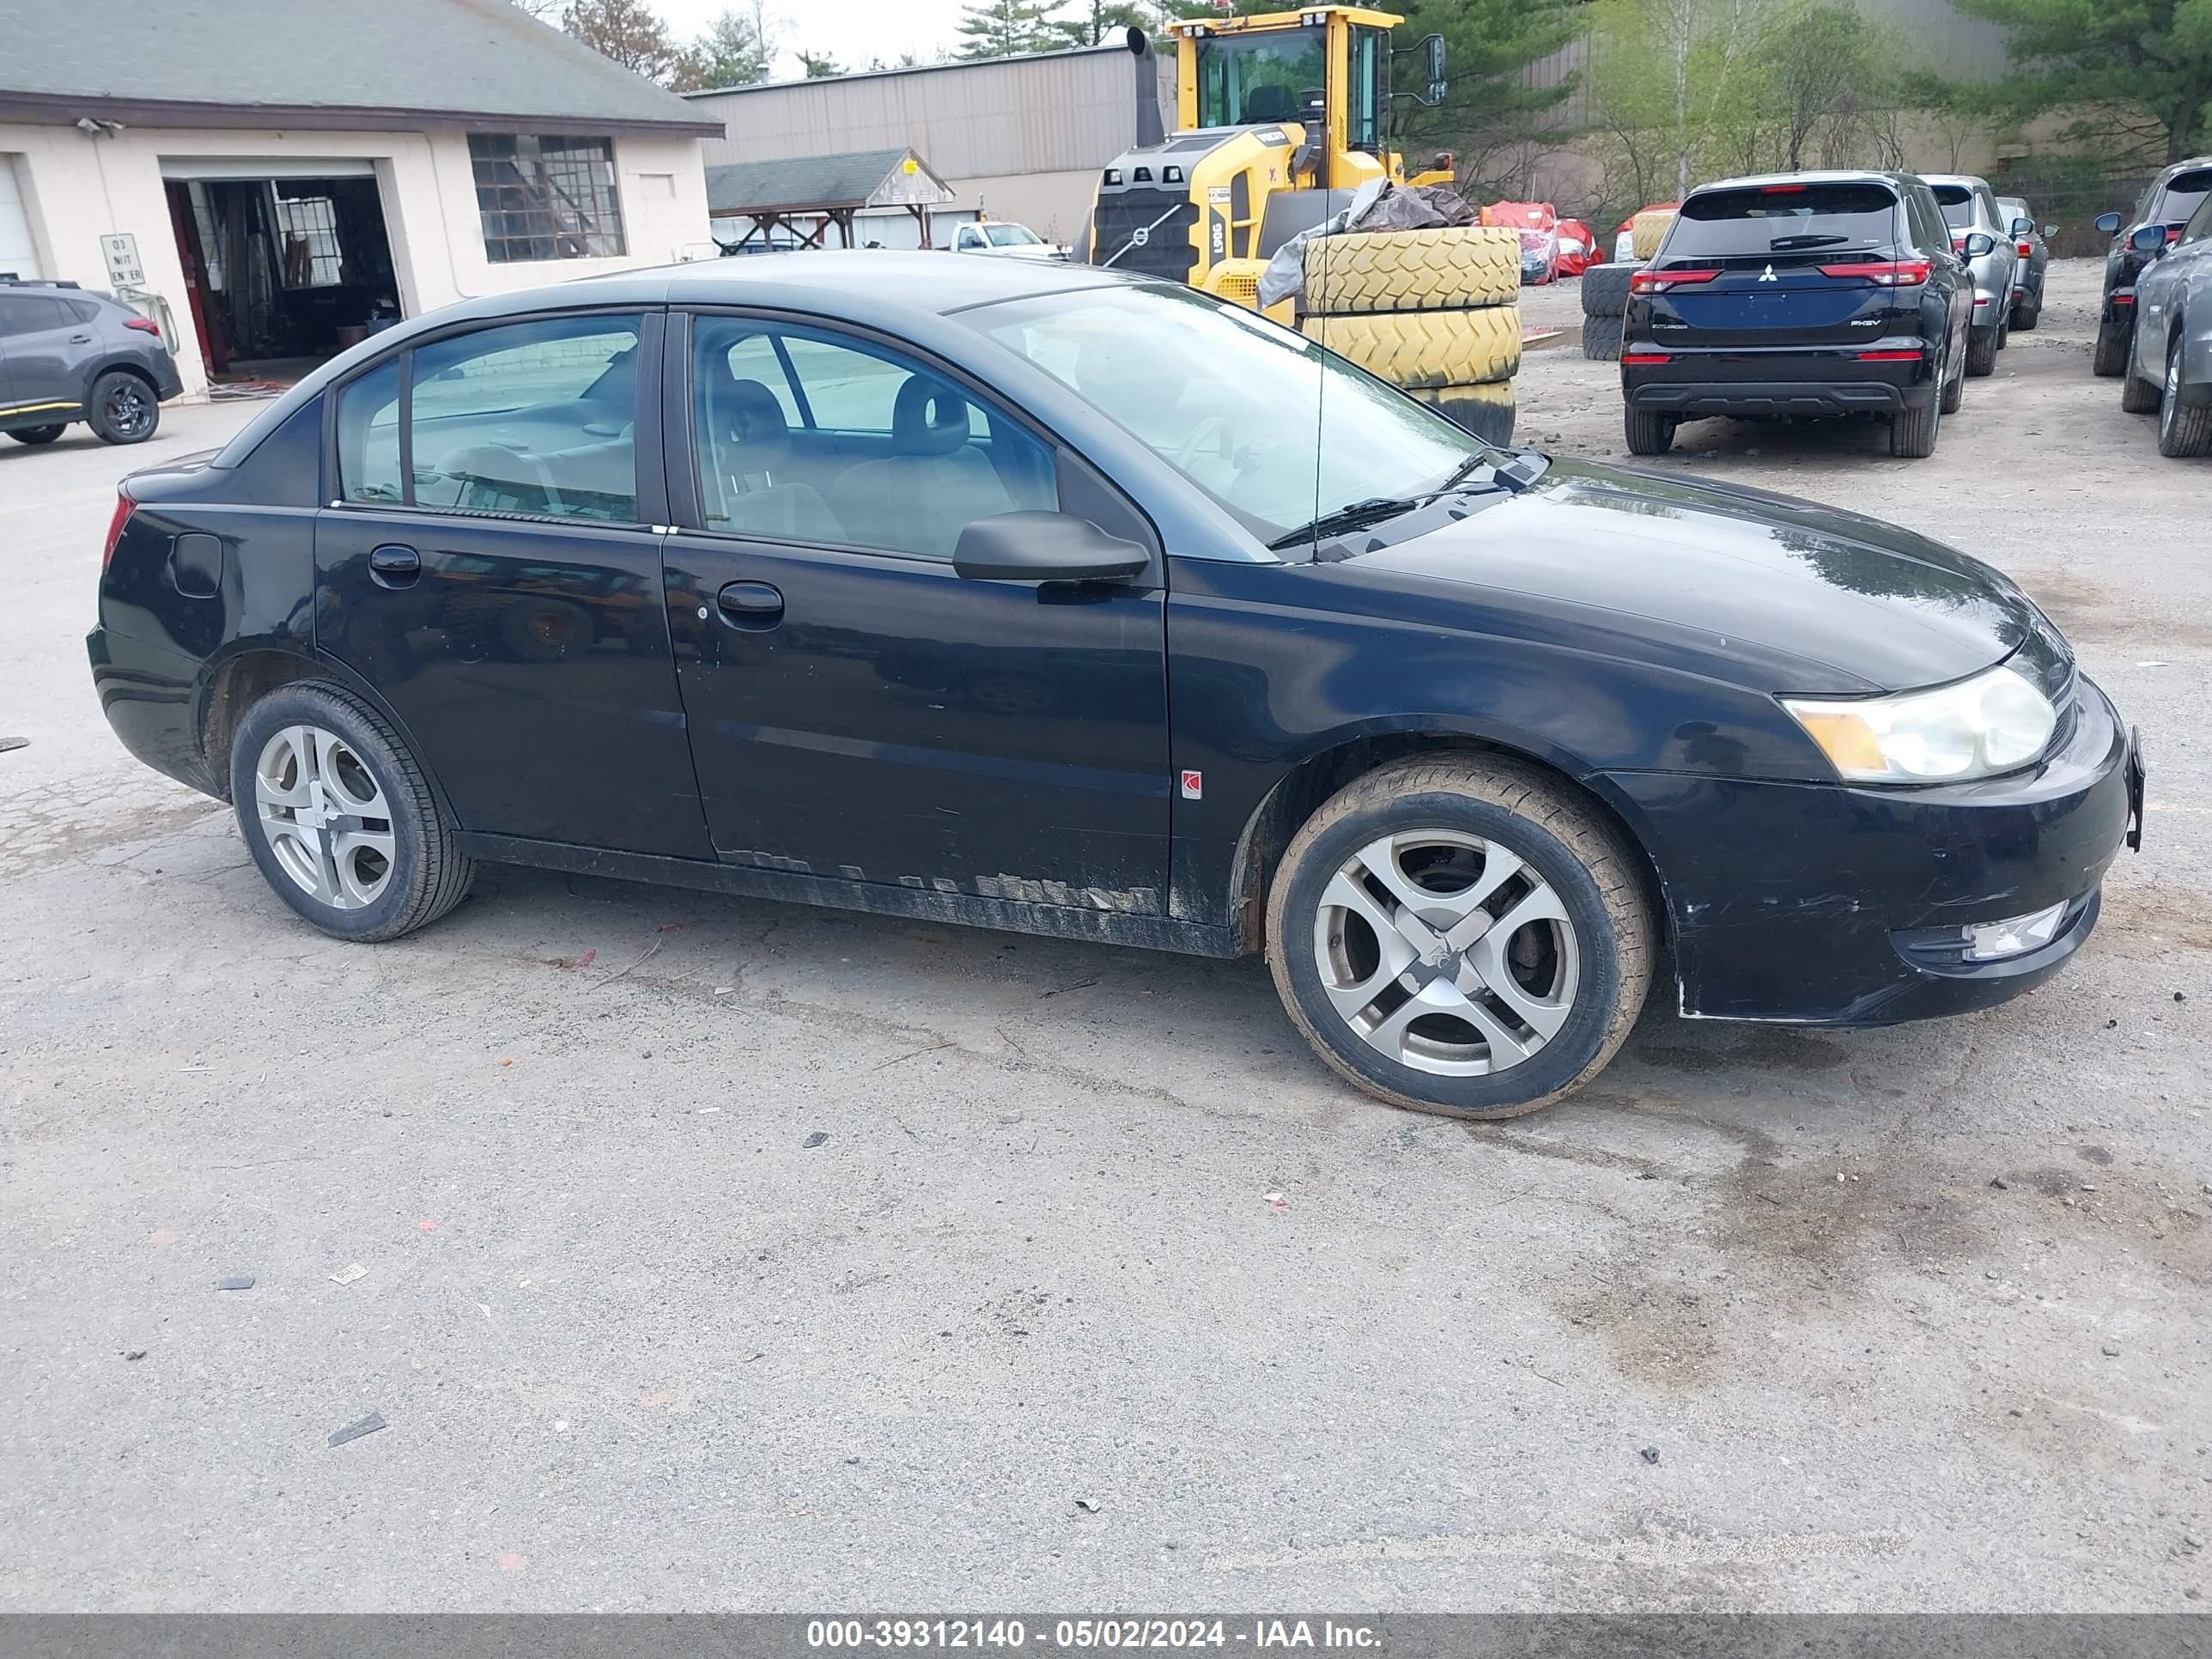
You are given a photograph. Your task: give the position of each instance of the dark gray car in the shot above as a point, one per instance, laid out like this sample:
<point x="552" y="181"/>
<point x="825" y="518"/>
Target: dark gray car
<point x="2032" y="245"/>
<point x="67" y="354"/>
<point x="2169" y="367"/>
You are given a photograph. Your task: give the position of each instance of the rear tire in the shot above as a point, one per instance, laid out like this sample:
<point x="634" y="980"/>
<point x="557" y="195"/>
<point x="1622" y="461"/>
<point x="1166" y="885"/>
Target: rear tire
<point x="339" y="817"/>
<point x="1982" y="352"/>
<point x="1955" y="390"/>
<point x="2110" y="357"/>
<point x="1601" y="338"/>
<point x="2185" y="430"/>
<point x="1912" y="431"/>
<point x="2025" y="316"/>
<point x="2138" y="395"/>
<point x="1649" y="434"/>
<point x="124" y="410"/>
<point x="1435" y="829"/>
<point x="37" y="434"/>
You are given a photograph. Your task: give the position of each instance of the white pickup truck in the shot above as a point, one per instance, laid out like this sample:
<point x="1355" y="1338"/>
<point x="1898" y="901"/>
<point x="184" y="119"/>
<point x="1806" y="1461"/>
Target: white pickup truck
<point x="1006" y="239"/>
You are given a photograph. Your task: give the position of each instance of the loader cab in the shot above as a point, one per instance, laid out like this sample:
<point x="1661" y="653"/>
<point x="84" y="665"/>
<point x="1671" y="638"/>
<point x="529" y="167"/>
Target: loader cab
<point x="1326" y="69"/>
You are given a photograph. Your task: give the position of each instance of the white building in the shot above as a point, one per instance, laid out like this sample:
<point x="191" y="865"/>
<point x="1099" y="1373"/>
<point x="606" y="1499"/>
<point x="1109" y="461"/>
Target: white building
<point x="269" y="178"/>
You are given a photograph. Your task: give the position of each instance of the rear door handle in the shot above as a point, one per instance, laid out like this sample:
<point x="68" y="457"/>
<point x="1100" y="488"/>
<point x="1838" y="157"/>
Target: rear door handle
<point x="751" y="605"/>
<point x="393" y="566"/>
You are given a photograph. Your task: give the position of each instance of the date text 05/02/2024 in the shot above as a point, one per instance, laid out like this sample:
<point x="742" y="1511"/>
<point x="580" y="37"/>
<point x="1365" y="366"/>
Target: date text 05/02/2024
<point x="1259" y="1632"/>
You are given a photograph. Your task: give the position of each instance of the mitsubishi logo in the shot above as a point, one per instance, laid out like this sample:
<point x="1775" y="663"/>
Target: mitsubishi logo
<point x="1768" y="276"/>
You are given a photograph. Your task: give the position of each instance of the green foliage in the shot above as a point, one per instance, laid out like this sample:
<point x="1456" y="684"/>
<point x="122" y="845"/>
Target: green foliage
<point x="1488" y="43"/>
<point x="2139" y="71"/>
<point x="1099" y="21"/>
<point x="629" y="31"/>
<point x="818" y="66"/>
<point x="1002" y="28"/>
<point x="732" y="52"/>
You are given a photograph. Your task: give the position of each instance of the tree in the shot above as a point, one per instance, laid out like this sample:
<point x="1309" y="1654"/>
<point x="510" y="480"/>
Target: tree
<point x="1487" y="111"/>
<point x="734" y="52"/>
<point x="629" y="31"/>
<point x="2140" y="69"/>
<point x="818" y="65"/>
<point x="1098" y="18"/>
<point x="1001" y="28"/>
<point x="1822" y="69"/>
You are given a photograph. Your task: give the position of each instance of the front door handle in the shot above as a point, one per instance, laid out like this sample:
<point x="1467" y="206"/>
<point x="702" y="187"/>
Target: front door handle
<point x="751" y="605"/>
<point x="393" y="566"/>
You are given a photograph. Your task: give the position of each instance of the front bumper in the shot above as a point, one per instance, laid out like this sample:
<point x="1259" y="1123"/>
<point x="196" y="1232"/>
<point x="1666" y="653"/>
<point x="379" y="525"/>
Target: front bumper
<point x="1827" y="905"/>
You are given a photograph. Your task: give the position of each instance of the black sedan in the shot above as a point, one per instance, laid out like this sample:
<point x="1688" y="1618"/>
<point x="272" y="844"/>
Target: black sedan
<point x="1053" y="599"/>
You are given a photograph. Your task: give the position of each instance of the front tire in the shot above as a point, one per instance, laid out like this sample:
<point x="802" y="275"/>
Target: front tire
<point x="38" y="435"/>
<point x="2026" y="316"/>
<point x="339" y="817"/>
<point x="1649" y="434"/>
<point x="2185" y="430"/>
<point x="1517" y="914"/>
<point x="123" y="409"/>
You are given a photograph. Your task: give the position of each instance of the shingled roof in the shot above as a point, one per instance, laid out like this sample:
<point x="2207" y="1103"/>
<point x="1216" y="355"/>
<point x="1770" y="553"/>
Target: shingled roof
<point x="319" y="64"/>
<point x="821" y="184"/>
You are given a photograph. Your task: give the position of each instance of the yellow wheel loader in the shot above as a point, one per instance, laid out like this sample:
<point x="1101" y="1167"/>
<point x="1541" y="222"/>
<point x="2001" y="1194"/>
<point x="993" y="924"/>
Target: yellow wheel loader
<point x="1279" y="118"/>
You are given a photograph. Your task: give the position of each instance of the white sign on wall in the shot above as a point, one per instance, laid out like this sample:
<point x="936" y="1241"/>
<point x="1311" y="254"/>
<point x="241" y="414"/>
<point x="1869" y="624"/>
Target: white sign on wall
<point x="123" y="270"/>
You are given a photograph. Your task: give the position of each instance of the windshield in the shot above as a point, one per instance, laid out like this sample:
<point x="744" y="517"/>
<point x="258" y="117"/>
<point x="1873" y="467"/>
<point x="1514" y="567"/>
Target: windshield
<point x="1247" y="78"/>
<point x="1765" y="218"/>
<point x="1958" y="205"/>
<point x="1264" y="421"/>
<point x="1012" y="236"/>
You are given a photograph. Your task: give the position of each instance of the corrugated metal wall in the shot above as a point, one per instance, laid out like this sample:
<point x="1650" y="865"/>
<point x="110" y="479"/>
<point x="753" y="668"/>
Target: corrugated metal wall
<point x="1060" y="112"/>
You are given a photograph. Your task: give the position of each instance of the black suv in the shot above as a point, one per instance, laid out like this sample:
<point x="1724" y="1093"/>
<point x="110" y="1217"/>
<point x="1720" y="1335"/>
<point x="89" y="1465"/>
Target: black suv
<point x="2167" y="201"/>
<point x="1800" y="295"/>
<point x="67" y="354"/>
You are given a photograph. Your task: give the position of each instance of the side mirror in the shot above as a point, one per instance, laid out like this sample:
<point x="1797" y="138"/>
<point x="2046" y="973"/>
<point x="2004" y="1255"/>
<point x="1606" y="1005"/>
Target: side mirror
<point x="1980" y="243"/>
<point x="2023" y="227"/>
<point x="2049" y="231"/>
<point x="2109" y="223"/>
<point x="2148" y="239"/>
<point x="1044" y="547"/>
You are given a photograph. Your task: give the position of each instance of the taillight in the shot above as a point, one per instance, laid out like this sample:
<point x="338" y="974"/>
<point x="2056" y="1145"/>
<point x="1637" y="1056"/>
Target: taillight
<point x="123" y="505"/>
<point x="2172" y="235"/>
<point x="1648" y="281"/>
<point x="2025" y="251"/>
<point x="144" y="325"/>
<point x="1884" y="273"/>
<point x="1633" y="357"/>
<point x="1912" y="357"/>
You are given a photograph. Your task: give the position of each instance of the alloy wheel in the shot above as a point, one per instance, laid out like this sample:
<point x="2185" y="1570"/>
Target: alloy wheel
<point x="1446" y="952"/>
<point x="129" y="410"/>
<point x="326" y="817"/>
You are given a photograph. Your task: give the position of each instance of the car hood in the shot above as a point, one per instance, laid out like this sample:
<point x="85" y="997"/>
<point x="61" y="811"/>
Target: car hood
<point x="1781" y="594"/>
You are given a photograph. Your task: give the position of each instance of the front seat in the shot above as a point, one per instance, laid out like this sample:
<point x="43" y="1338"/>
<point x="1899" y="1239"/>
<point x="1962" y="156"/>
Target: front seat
<point x="748" y="439"/>
<point x="932" y="488"/>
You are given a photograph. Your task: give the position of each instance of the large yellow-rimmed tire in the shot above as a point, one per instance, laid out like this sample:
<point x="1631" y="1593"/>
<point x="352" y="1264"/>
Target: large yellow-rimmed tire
<point x="1419" y="349"/>
<point x="1449" y="268"/>
<point x="1487" y="411"/>
<point x="1649" y="229"/>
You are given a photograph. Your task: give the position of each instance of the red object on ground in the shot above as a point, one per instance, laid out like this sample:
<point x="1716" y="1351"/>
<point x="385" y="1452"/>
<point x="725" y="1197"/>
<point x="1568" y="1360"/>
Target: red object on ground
<point x="1578" y="248"/>
<point x="1539" y="225"/>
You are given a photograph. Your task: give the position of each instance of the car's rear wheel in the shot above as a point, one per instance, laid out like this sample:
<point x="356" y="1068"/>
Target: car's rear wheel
<point x="2026" y="316"/>
<point x="2139" y="394"/>
<point x="37" y="434"/>
<point x="2185" y="430"/>
<point x="339" y="817"/>
<point x="1954" y="387"/>
<point x="1460" y="934"/>
<point x="1981" y="352"/>
<point x="123" y="409"/>
<point x="1912" y="432"/>
<point x="2111" y="357"/>
<point x="1649" y="434"/>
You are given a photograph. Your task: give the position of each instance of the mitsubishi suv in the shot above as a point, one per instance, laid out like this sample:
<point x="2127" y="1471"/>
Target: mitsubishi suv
<point x="1800" y="295"/>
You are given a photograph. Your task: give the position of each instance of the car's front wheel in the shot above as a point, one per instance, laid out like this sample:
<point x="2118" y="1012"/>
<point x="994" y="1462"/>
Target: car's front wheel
<point x="339" y="817"/>
<point x="2185" y="430"/>
<point x="123" y="409"/>
<point x="1460" y="934"/>
<point x="37" y="434"/>
<point x="1649" y="434"/>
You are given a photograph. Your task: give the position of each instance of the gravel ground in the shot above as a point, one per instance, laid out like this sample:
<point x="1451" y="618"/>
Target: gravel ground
<point x="1912" y="1319"/>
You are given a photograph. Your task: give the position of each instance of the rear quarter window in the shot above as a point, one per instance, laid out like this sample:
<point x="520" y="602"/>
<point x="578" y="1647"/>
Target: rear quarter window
<point x="1765" y="219"/>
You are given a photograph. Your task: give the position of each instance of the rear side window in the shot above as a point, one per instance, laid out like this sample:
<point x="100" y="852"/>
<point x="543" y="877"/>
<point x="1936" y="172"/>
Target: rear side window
<point x="31" y="314"/>
<point x="1774" y="218"/>
<point x="1957" y="202"/>
<point x="2185" y="193"/>
<point x="536" y="417"/>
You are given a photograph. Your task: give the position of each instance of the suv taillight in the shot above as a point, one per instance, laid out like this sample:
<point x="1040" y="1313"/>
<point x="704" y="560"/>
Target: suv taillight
<point x="1884" y="273"/>
<point x="144" y="325"/>
<point x="123" y="505"/>
<point x="2025" y="251"/>
<point x="1648" y="281"/>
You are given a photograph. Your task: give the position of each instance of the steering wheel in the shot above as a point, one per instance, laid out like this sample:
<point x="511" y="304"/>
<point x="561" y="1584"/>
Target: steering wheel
<point x="1213" y="426"/>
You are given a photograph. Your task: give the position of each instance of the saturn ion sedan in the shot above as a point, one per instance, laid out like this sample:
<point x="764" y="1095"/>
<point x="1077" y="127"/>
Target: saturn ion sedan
<point x="1055" y="600"/>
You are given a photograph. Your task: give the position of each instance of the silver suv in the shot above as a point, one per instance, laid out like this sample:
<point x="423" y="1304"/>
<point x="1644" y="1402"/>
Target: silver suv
<point x="1981" y="236"/>
<point x="67" y="354"/>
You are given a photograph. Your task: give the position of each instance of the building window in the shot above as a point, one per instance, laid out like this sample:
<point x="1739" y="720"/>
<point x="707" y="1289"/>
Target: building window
<point x="309" y="225"/>
<point x="546" y="196"/>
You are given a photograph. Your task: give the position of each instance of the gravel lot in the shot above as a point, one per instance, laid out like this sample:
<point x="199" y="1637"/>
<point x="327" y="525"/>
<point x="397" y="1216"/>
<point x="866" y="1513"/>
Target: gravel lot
<point x="1913" y="1318"/>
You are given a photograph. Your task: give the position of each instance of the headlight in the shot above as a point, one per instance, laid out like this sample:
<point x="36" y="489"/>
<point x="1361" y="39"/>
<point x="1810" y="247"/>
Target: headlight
<point x="1992" y="723"/>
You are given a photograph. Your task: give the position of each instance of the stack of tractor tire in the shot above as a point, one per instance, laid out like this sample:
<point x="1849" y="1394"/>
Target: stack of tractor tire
<point x="1605" y="303"/>
<point x="1435" y="312"/>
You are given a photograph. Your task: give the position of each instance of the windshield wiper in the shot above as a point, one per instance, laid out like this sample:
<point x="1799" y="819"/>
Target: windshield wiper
<point x="1354" y="516"/>
<point x="1780" y="244"/>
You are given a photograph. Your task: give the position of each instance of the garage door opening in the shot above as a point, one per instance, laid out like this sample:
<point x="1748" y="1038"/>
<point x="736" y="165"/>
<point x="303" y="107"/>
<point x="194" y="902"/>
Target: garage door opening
<point x="281" y="272"/>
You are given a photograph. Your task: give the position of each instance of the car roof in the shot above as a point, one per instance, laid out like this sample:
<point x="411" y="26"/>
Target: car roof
<point x="1811" y="176"/>
<point x="1971" y="181"/>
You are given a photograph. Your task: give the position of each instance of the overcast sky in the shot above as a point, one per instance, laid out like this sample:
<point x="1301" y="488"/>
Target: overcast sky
<point x="851" y="31"/>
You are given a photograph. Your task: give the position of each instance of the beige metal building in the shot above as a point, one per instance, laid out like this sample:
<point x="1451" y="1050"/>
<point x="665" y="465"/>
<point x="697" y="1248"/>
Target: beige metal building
<point x="1015" y="138"/>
